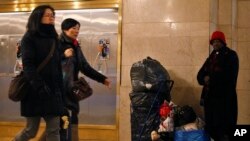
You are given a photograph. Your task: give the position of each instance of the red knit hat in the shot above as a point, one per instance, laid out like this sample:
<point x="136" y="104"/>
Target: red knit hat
<point x="218" y="35"/>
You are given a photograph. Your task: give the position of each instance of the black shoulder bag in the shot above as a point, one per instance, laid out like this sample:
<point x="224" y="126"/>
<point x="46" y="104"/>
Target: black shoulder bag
<point x="19" y="85"/>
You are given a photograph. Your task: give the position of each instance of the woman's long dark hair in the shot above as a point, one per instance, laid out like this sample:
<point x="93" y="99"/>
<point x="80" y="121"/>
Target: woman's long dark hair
<point x="34" y="21"/>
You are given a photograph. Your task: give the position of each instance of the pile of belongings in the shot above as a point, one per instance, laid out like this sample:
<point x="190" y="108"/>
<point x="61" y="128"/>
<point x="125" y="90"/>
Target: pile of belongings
<point x="179" y="123"/>
<point x="151" y="85"/>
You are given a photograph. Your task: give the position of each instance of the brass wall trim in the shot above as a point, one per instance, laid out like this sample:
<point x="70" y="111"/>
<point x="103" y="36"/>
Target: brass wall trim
<point x="7" y="6"/>
<point x="29" y="5"/>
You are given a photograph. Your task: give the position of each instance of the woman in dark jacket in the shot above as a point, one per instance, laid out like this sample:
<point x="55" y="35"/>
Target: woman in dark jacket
<point x="45" y="96"/>
<point x="218" y="75"/>
<point x="72" y="63"/>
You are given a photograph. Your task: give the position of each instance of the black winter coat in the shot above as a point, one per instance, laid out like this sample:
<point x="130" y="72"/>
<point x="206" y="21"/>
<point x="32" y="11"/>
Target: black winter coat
<point x="71" y="67"/>
<point x="220" y="98"/>
<point x="40" y="101"/>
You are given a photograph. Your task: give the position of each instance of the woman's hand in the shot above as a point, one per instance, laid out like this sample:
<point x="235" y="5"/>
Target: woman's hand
<point x="68" y="52"/>
<point x="107" y="82"/>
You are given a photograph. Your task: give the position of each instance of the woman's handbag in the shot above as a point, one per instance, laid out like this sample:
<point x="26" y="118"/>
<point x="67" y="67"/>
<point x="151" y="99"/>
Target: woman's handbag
<point x="81" y="89"/>
<point x="19" y="85"/>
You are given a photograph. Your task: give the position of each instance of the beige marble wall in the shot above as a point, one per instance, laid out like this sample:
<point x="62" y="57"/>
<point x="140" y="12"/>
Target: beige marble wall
<point x="243" y="50"/>
<point x="225" y="19"/>
<point x="172" y="32"/>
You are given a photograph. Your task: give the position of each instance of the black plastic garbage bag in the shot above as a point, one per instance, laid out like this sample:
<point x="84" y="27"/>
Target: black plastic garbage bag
<point x="184" y="115"/>
<point x="146" y="99"/>
<point x="143" y="122"/>
<point x="149" y="75"/>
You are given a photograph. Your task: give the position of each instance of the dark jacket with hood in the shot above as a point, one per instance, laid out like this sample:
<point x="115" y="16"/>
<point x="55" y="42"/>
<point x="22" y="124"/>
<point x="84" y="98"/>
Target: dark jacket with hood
<point x="220" y="98"/>
<point x="71" y="67"/>
<point x="45" y="95"/>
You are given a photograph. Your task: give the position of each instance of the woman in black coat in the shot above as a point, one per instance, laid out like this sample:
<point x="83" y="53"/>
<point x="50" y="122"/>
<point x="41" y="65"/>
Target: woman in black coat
<point x="218" y="75"/>
<point x="44" y="98"/>
<point x="74" y="62"/>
